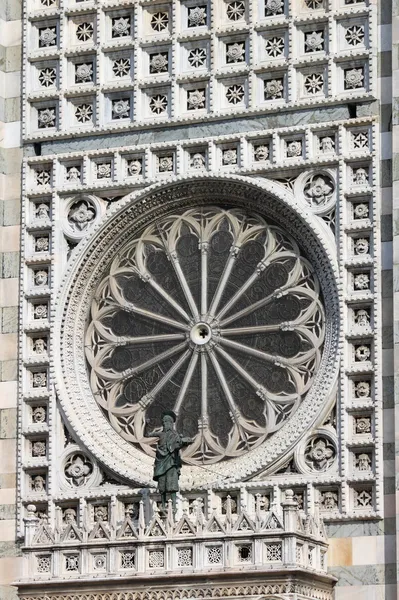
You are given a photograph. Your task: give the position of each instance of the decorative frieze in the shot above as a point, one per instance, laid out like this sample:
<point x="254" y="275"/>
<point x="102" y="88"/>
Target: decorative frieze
<point x="297" y="54"/>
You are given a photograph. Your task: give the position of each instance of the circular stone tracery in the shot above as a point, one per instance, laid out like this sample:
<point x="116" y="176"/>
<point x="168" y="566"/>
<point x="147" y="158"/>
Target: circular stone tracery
<point x="211" y="313"/>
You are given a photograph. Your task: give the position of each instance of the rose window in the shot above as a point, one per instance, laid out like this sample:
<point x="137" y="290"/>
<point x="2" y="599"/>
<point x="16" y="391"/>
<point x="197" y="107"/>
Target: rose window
<point x="212" y="314"/>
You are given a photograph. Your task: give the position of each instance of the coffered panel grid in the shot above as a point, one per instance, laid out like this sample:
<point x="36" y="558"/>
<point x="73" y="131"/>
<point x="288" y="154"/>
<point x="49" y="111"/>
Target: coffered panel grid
<point x="99" y="67"/>
<point x="330" y="170"/>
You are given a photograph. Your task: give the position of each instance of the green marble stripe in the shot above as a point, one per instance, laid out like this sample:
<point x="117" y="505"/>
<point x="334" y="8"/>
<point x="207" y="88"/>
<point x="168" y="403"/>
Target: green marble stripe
<point x="364" y="574"/>
<point x="190" y="132"/>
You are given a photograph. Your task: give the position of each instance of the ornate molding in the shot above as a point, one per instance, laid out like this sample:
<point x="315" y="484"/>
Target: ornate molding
<point x="86" y="268"/>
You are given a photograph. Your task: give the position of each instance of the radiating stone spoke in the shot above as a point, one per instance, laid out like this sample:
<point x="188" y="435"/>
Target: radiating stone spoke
<point x="182" y="280"/>
<point x="148" y="314"/>
<point x="224" y="384"/>
<point x="204" y="386"/>
<point x="251" y="330"/>
<point x="251" y="308"/>
<point x="223" y="282"/>
<point x="169" y="299"/>
<point x="149" y="398"/>
<point x="186" y="382"/>
<point x="152" y="361"/>
<point x="272" y="358"/>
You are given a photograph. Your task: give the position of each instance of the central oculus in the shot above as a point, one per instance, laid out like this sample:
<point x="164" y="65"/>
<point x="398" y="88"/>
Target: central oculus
<point x="151" y="344"/>
<point x="201" y="333"/>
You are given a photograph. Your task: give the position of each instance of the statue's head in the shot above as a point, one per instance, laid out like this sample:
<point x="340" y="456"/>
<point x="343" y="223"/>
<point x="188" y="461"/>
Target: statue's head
<point x="168" y="420"/>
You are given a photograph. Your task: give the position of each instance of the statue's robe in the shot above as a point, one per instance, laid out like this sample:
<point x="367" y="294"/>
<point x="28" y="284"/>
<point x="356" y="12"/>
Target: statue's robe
<point x="168" y="462"/>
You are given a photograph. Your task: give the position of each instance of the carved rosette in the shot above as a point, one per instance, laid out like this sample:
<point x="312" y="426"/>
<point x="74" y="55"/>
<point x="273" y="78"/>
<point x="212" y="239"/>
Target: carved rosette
<point x="118" y="262"/>
<point x="215" y="314"/>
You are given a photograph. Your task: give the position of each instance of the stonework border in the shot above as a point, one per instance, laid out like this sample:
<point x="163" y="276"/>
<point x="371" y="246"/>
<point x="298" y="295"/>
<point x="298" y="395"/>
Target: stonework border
<point x="148" y="206"/>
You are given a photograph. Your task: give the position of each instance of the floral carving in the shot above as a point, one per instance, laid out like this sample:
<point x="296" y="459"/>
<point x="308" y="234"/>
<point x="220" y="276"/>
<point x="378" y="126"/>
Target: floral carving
<point x="84" y="73"/>
<point x="320" y="453"/>
<point x="165" y="164"/>
<point x="38" y="449"/>
<point x="84" y="32"/>
<point x="235" y="94"/>
<point x="159" y="62"/>
<point x="121" y="109"/>
<point x="362" y="425"/>
<point x="361" y="211"/>
<point x="81" y="215"/>
<point x="41" y="244"/>
<point x="197" y="57"/>
<point x="47" y="36"/>
<point x="361" y="281"/>
<point x="363" y="498"/>
<point x="120" y="27"/>
<point x="314" y="41"/>
<point x="43" y="177"/>
<point x="78" y="469"/>
<point x="100" y="562"/>
<point x="360" y="140"/>
<point x="40" y="311"/>
<point x="101" y="513"/>
<point x="83" y="113"/>
<point x="158" y="104"/>
<point x="235" y="52"/>
<point x="274" y="88"/>
<point x="314" y="83"/>
<point x="197" y="16"/>
<point x="47" y="77"/>
<point x="196" y="99"/>
<point x="235" y="11"/>
<point x="362" y="353"/>
<point x="46" y="117"/>
<point x="354" y="35"/>
<point x="274" y="46"/>
<point x="121" y="67"/>
<point x="159" y="21"/>
<point x="318" y="190"/>
<point x="274" y="7"/>
<point x="103" y="170"/>
<point x="354" y="78"/>
<point x="39" y="379"/>
<point x="230" y="156"/>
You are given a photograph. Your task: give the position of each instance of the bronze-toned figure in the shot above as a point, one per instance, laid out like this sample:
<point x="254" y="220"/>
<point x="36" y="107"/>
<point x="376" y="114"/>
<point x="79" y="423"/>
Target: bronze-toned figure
<point x="167" y="459"/>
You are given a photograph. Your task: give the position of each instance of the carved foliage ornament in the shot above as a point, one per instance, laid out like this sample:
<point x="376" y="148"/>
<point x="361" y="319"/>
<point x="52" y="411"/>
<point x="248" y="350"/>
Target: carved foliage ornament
<point x="199" y="312"/>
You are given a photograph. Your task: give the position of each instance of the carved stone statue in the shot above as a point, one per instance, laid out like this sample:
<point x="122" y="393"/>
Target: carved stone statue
<point x="167" y="459"/>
